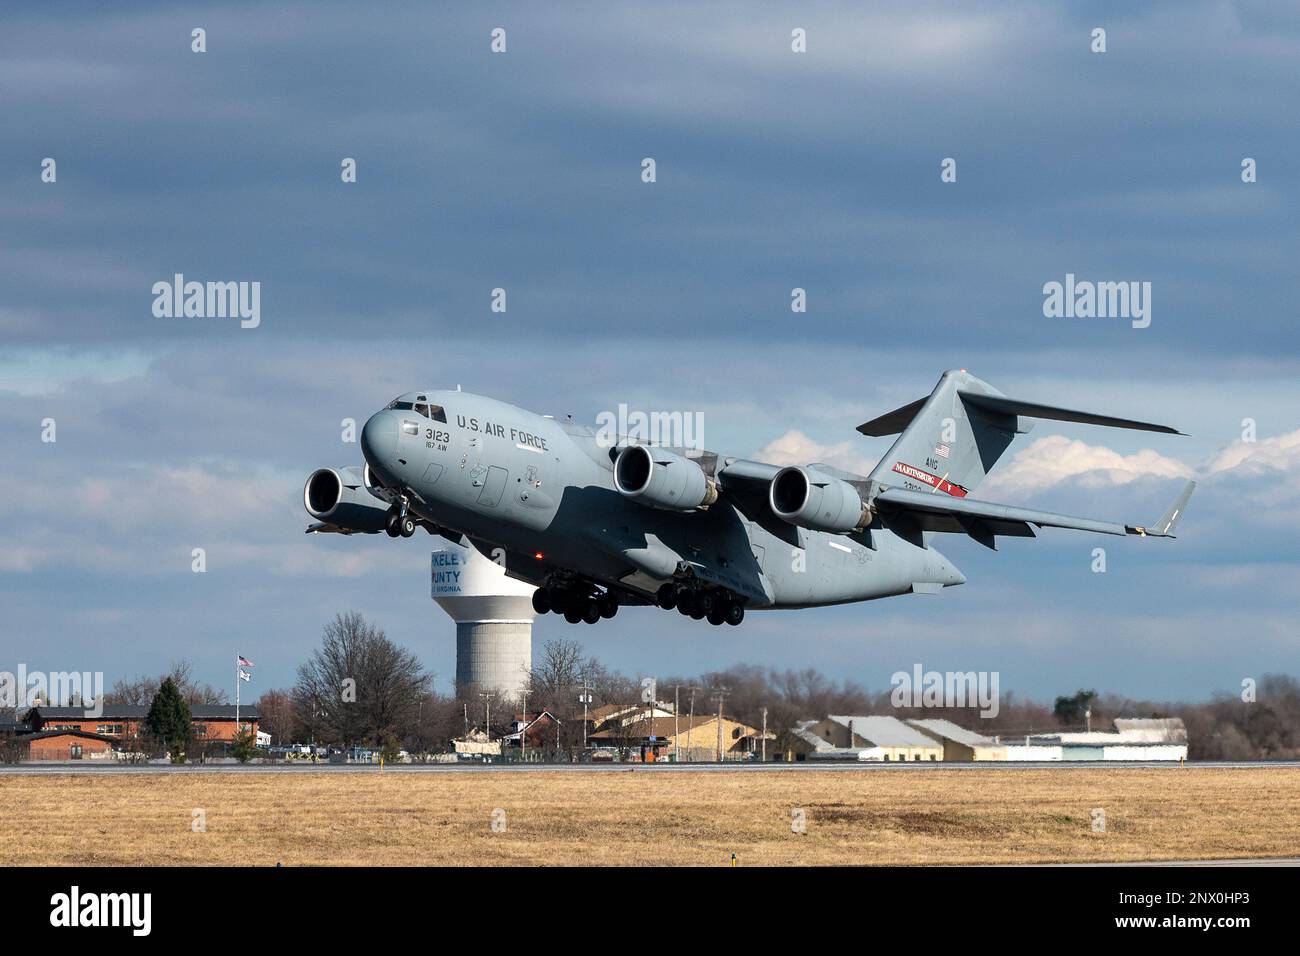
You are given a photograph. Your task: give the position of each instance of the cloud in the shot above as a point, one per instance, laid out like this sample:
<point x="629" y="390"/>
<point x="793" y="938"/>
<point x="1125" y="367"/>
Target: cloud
<point x="1281" y="453"/>
<point x="1049" y="461"/>
<point x="142" y="521"/>
<point x="796" y="448"/>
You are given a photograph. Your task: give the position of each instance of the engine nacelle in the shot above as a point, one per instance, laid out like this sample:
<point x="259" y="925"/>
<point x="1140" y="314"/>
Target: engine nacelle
<point x="339" y="497"/>
<point x="810" y="499"/>
<point x="659" y="478"/>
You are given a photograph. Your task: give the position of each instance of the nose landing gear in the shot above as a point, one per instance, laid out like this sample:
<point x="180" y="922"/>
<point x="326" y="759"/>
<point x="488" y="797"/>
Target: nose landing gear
<point x="400" y="523"/>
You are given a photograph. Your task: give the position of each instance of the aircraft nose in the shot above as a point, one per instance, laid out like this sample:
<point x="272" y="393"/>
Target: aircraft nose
<point x="379" y="439"/>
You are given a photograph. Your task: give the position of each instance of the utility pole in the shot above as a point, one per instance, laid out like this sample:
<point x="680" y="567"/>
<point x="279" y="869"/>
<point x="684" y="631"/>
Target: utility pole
<point x="763" y="738"/>
<point x="690" y="727"/>
<point x="584" y="697"/>
<point x="487" y="714"/>
<point x="466" y="706"/>
<point x="722" y="693"/>
<point x="677" y="709"/>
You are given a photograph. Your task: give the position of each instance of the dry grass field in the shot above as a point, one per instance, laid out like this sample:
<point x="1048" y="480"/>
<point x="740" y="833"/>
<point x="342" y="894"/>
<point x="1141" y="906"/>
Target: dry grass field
<point x="640" y="817"/>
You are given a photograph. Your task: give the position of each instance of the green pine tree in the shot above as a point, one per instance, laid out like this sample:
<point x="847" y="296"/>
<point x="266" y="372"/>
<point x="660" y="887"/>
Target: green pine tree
<point x="169" y="721"/>
<point x="244" y="746"/>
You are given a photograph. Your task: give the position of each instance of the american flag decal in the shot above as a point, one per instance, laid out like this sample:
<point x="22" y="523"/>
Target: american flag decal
<point x="942" y="450"/>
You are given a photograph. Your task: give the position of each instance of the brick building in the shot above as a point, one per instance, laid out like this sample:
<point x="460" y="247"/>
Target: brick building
<point x="125" y="722"/>
<point x="65" y="745"/>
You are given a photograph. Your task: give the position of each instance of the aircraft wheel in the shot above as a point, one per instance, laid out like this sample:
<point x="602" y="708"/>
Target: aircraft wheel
<point x="391" y="525"/>
<point x="697" y="612"/>
<point x="591" y="611"/>
<point x="573" y="614"/>
<point x="541" y="601"/>
<point x="717" y="615"/>
<point x="666" y="597"/>
<point x="735" y="614"/>
<point x="608" y="605"/>
<point x="559" y="599"/>
<point x="685" y="603"/>
<point x="706" y="602"/>
<point x="406" y="526"/>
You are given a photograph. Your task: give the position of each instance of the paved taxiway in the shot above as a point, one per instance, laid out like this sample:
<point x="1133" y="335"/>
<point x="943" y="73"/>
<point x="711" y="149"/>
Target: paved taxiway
<point x="82" y="767"/>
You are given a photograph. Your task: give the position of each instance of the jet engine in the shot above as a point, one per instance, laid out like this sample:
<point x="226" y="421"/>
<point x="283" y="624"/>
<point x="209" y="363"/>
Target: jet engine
<point x="339" y="497"/>
<point x="659" y="478"/>
<point x="810" y="499"/>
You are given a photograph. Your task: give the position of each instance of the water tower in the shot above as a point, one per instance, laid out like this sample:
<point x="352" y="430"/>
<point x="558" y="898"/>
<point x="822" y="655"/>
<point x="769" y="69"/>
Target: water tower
<point x="494" y="620"/>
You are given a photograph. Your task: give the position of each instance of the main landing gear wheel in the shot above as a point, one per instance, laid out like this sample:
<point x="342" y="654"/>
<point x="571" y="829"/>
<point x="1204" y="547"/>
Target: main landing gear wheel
<point x="573" y="614"/>
<point x="735" y="614"/>
<point x="541" y="601"/>
<point x="717" y="615"/>
<point x="608" y="605"/>
<point x="559" y="599"/>
<point x="666" y="597"/>
<point x="591" y="611"/>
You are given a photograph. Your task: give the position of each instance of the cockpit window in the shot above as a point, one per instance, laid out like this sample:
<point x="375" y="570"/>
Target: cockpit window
<point x="434" y="412"/>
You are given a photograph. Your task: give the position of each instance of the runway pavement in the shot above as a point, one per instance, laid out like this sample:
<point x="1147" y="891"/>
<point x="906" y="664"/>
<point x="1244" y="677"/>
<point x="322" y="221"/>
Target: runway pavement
<point x="86" y="767"/>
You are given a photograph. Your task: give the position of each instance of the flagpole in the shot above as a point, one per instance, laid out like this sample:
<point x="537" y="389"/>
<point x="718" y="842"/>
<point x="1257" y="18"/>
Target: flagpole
<point x="236" y="695"/>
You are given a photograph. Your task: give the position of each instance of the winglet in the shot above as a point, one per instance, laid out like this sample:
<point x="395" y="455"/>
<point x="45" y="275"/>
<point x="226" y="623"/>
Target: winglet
<point x="1164" y="528"/>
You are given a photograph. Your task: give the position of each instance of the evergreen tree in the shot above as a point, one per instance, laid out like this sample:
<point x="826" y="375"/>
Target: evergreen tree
<point x="169" y="720"/>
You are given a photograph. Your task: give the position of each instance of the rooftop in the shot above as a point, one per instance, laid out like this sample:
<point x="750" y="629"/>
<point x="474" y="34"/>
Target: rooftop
<point x="884" y="731"/>
<point x="947" y="730"/>
<point x="140" y="711"/>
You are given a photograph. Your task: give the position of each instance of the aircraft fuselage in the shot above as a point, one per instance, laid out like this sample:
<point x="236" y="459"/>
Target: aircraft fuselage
<point x="538" y="495"/>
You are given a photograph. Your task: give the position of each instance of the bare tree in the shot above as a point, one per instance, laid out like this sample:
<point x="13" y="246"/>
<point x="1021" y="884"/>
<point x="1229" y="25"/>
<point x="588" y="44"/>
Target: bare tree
<point x="359" y="687"/>
<point x="278" y="716"/>
<point x="141" y="690"/>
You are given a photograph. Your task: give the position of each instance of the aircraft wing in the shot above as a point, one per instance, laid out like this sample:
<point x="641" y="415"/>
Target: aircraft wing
<point x="982" y="520"/>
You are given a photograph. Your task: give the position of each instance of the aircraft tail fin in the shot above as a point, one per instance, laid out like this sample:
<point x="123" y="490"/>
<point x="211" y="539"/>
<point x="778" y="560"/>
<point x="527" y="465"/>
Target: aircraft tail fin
<point x="948" y="441"/>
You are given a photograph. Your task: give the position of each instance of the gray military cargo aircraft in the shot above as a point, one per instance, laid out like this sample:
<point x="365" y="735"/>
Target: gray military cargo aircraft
<point x="595" y="525"/>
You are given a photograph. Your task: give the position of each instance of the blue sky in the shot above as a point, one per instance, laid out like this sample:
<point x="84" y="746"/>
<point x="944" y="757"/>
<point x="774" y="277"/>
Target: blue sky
<point x="774" y="170"/>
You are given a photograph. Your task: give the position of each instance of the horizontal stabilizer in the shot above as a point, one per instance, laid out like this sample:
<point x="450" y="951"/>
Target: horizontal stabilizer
<point x="1011" y="406"/>
<point x="891" y="423"/>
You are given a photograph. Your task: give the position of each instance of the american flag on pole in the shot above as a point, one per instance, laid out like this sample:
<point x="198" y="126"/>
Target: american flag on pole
<point x="243" y="661"/>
